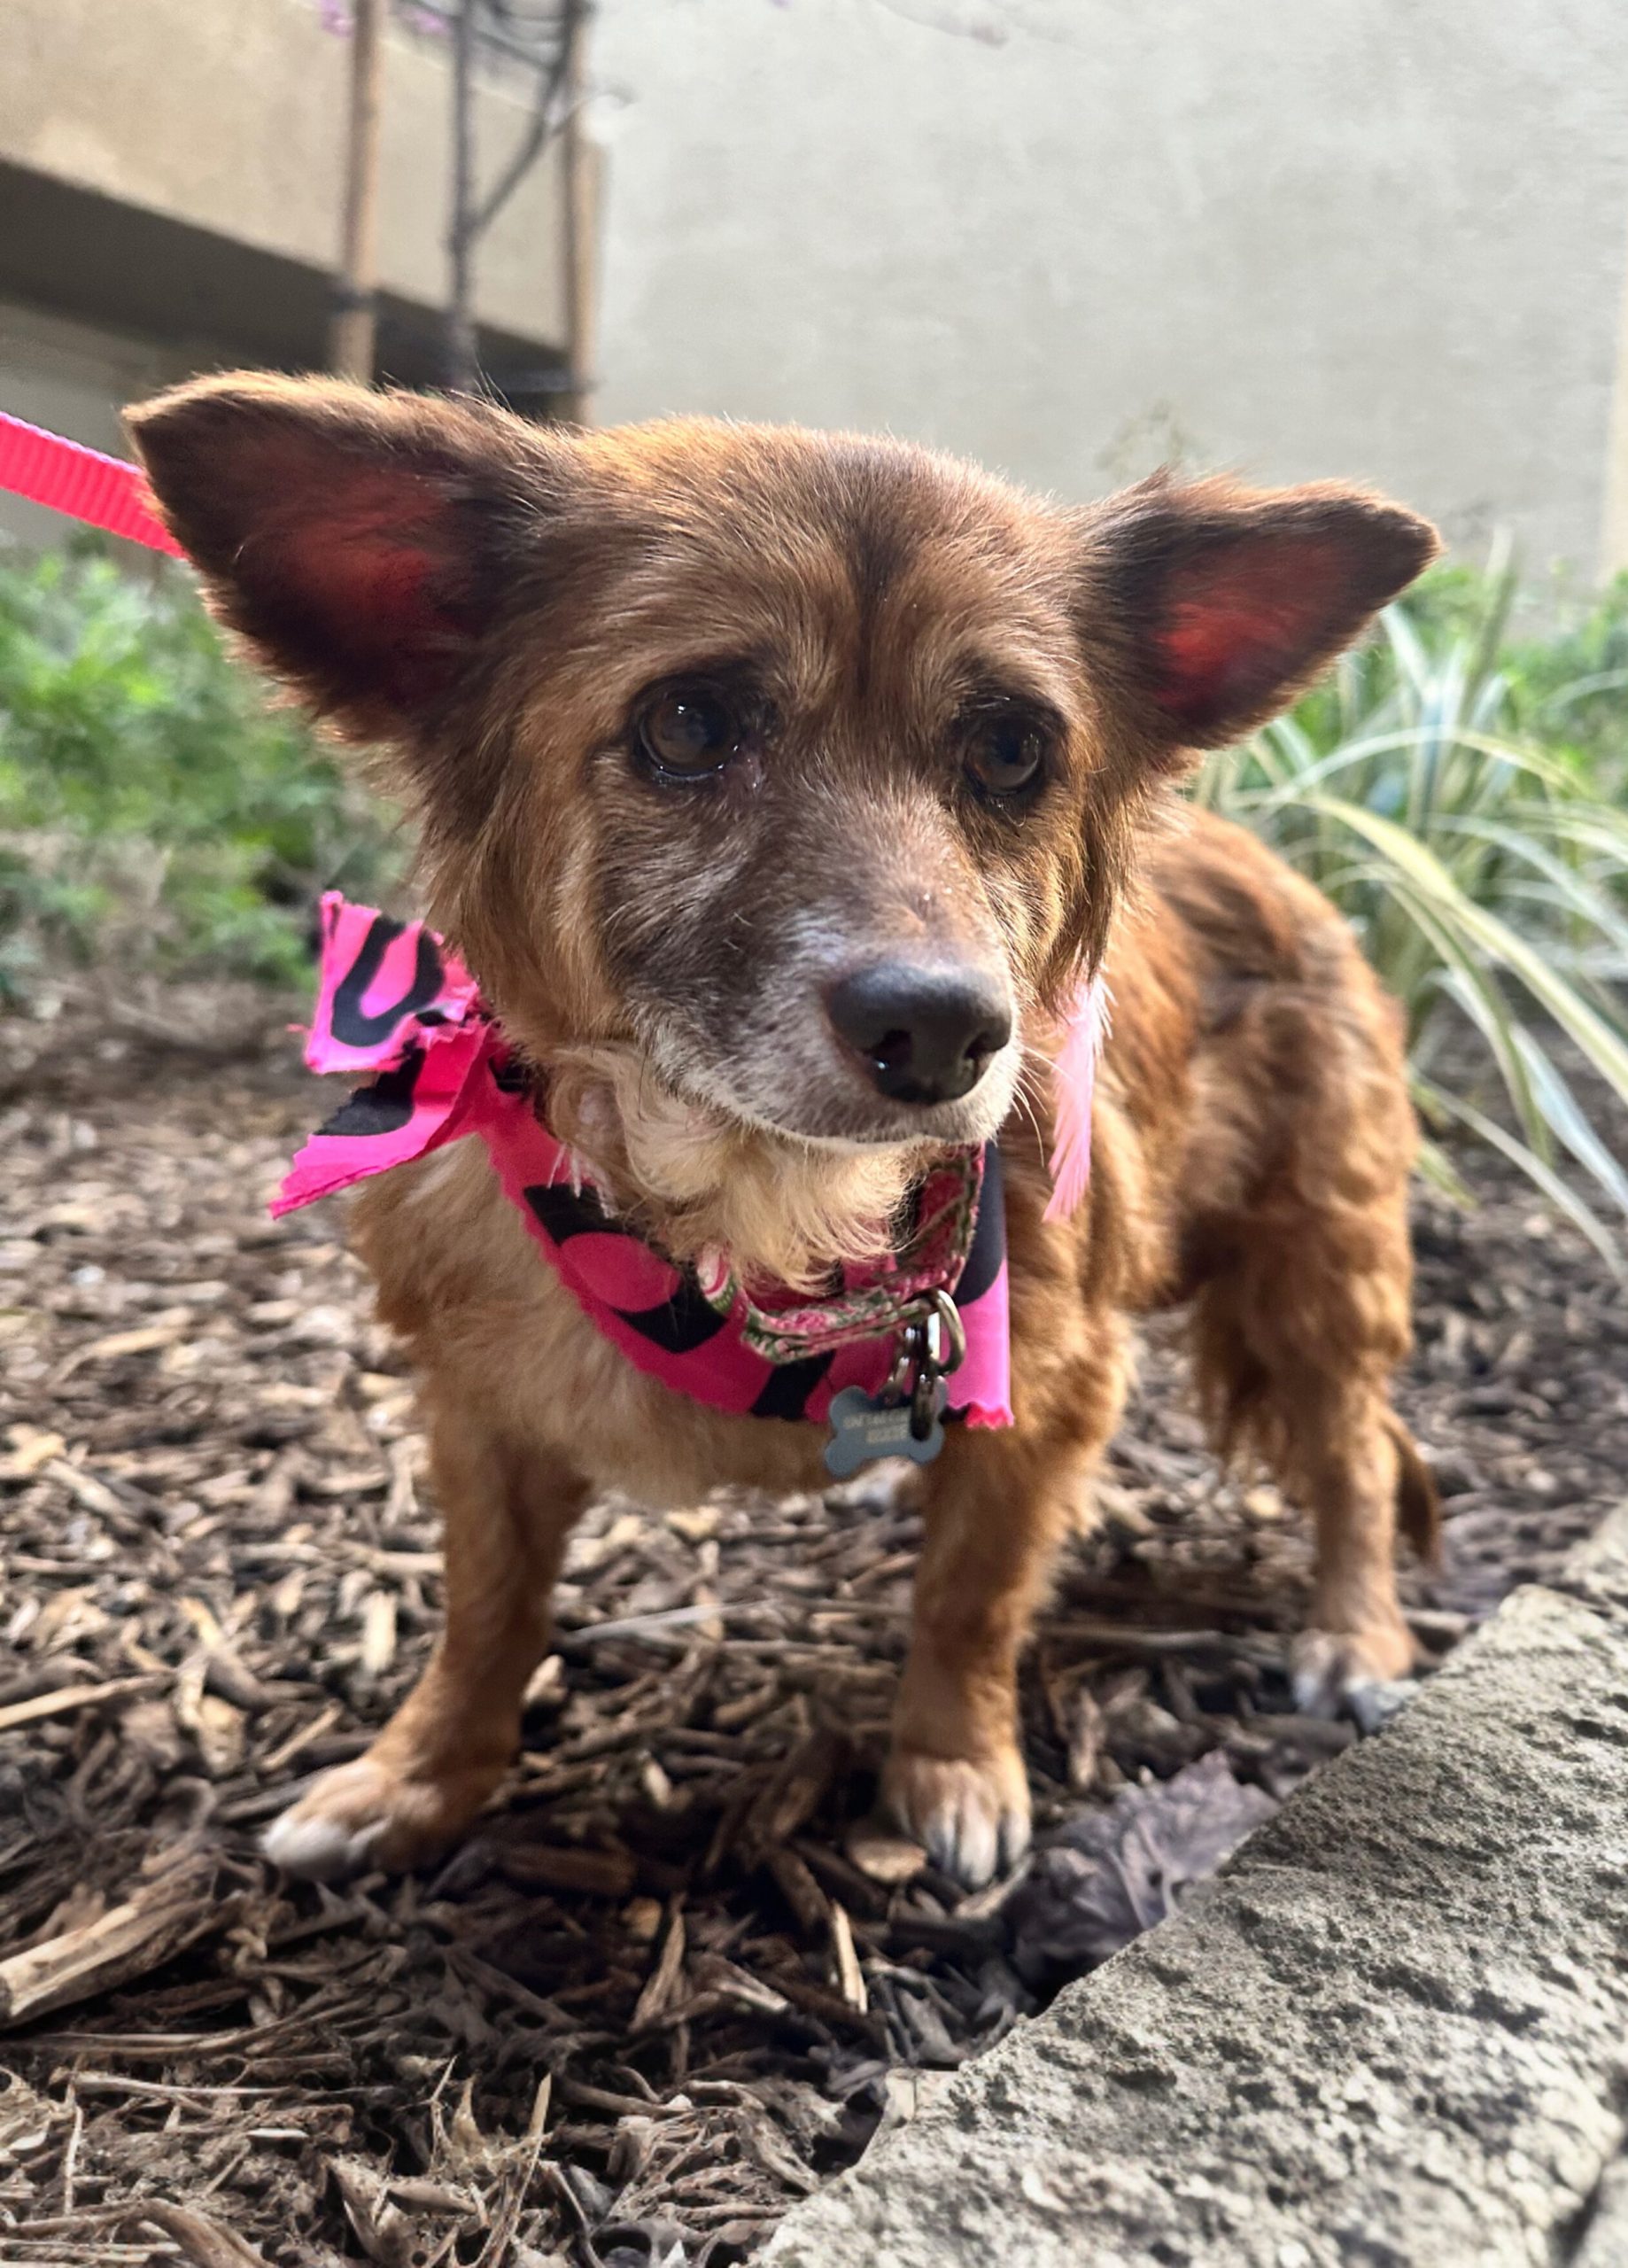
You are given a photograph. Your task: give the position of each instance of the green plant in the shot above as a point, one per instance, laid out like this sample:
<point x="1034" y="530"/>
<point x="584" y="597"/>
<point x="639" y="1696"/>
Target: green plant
<point x="1430" y="789"/>
<point x="153" y="806"/>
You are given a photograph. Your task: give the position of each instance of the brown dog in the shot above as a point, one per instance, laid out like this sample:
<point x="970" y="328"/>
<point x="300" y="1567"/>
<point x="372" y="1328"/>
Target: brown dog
<point x="706" y="723"/>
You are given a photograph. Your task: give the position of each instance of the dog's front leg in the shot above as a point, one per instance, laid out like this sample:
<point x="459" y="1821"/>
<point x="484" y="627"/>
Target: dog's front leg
<point x="996" y="1508"/>
<point x="508" y="1512"/>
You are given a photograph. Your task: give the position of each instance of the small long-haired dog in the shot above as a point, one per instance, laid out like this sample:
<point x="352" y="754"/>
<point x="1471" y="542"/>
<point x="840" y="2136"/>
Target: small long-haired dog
<point x="780" y="790"/>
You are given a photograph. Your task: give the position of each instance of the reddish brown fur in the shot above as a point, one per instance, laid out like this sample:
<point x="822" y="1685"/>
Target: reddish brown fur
<point x="490" y="599"/>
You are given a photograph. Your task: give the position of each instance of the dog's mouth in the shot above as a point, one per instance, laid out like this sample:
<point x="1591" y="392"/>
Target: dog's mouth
<point x="785" y="1187"/>
<point x="842" y="1106"/>
<point x="883" y="1057"/>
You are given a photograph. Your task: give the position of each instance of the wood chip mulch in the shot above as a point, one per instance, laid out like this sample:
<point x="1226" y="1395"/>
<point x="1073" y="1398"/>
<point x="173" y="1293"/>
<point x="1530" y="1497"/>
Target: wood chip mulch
<point x="678" y="1977"/>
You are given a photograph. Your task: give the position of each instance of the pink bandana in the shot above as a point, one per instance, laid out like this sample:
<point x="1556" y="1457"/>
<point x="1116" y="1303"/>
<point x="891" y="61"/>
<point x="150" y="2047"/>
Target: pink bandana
<point x="395" y="1004"/>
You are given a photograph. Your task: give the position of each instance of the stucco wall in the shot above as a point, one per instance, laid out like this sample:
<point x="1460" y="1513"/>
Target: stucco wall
<point x="1384" y="239"/>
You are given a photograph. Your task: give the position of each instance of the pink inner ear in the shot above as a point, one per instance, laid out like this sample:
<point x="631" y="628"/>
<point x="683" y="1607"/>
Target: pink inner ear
<point x="358" y="556"/>
<point x="367" y="572"/>
<point x="1244" y="621"/>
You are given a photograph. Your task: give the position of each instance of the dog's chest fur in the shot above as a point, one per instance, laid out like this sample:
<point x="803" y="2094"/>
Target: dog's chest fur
<point x="459" y="1277"/>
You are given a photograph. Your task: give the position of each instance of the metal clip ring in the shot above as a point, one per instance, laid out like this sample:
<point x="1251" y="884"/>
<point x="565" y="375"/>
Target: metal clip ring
<point x="945" y="1328"/>
<point x="931" y="1345"/>
<point x="907" y="1362"/>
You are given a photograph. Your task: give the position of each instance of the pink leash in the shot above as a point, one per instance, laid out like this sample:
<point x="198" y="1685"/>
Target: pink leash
<point x="66" y="477"/>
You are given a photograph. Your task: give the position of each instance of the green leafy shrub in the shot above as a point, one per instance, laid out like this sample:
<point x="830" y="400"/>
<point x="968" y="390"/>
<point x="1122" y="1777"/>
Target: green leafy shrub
<point x="1459" y="795"/>
<point x="154" y="808"/>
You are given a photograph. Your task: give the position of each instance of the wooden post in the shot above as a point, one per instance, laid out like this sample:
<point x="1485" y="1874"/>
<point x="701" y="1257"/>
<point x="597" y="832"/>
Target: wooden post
<point x="577" y="402"/>
<point x="350" y="340"/>
<point x="462" y="347"/>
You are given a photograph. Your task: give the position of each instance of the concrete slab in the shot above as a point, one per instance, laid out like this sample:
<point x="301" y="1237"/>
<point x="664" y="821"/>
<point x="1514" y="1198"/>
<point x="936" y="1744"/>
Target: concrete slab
<point x="1393" y="2033"/>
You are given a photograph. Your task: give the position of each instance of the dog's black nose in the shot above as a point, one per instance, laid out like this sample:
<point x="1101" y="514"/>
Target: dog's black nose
<point x="925" y="1033"/>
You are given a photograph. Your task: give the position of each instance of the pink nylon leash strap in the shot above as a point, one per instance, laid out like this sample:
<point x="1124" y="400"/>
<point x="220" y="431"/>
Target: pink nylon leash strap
<point x="65" y="476"/>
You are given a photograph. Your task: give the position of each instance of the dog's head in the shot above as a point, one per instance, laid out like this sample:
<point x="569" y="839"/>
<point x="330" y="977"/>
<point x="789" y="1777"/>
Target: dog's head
<point x="775" y="785"/>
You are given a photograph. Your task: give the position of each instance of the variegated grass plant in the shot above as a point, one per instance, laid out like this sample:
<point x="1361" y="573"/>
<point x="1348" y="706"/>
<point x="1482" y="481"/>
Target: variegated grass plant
<point x="1435" y="790"/>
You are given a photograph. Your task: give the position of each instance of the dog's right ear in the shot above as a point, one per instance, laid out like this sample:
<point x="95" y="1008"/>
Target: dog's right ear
<point x="360" y="542"/>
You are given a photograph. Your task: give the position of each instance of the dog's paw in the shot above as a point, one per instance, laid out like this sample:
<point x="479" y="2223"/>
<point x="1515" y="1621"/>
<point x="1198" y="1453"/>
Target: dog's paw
<point x="969" y="1812"/>
<point x="364" y="1814"/>
<point x="1365" y="1675"/>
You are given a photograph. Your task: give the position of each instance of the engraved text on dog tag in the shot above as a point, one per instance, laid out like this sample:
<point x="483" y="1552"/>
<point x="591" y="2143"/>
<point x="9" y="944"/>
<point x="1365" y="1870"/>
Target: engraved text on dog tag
<point x="866" y="1426"/>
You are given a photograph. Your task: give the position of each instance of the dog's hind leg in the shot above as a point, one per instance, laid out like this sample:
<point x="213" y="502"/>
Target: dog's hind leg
<point x="508" y="1510"/>
<point x="1294" y="1355"/>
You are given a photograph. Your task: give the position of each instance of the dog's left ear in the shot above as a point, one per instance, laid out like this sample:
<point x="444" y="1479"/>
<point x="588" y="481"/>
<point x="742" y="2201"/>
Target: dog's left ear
<point x="1212" y="605"/>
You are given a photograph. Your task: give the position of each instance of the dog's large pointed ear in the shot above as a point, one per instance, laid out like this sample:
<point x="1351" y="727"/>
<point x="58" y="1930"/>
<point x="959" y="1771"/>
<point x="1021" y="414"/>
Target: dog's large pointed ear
<point x="1218" y="603"/>
<point x="359" y="541"/>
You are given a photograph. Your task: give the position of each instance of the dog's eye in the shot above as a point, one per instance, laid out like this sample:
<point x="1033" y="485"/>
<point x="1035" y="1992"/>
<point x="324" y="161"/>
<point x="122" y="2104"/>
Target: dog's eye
<point x="688" y="733"/>
<point x="1004" y="754"/>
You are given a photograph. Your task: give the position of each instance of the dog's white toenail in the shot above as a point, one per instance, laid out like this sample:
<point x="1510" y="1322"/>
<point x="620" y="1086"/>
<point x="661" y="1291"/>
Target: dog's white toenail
<point x="319" y="1849"/>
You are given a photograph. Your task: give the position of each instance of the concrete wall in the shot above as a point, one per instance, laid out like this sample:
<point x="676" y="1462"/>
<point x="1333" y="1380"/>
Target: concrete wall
<point x="1377" y="237"/>
<point x="229" y="116"/>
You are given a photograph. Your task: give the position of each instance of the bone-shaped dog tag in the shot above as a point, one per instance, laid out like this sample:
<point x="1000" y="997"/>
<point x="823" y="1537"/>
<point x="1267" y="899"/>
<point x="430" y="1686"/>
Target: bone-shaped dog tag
<point x="866" y="1426"/>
